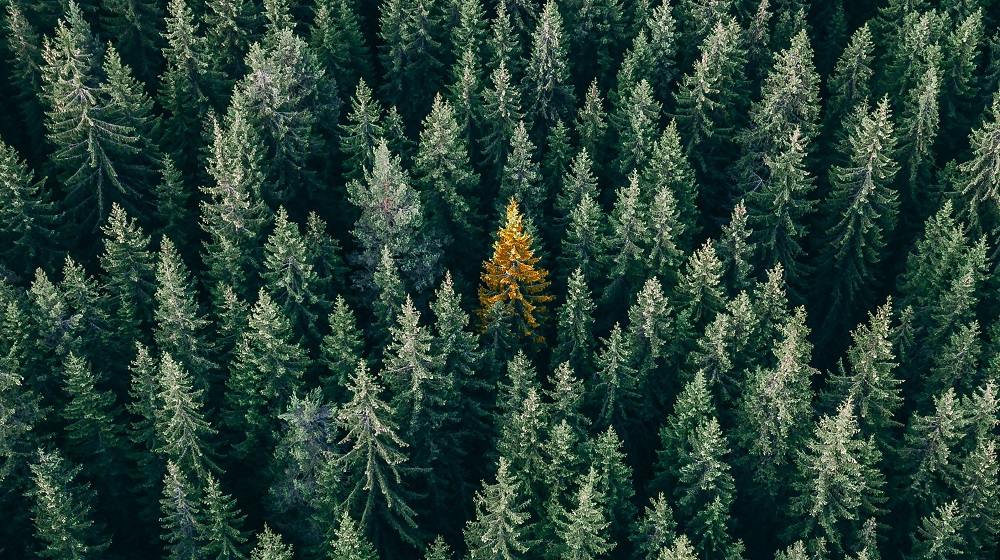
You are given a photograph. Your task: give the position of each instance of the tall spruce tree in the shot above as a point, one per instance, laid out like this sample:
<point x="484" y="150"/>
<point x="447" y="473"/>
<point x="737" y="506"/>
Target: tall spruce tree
<point x="266" y="370"/>
<point x="373" y="462"/>
<point x="61" y="510"/>
<point x="412" y="54"/>
<point x="497" y="530"/>
<point x="862" y="213"/>
<point x="547" y="89"/>
<point x="392" y="218"/>
<point x="27" y="216"/>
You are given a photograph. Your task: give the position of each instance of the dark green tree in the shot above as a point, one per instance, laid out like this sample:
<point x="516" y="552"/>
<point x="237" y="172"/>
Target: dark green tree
<point x="373" y="462"/>
<point x="232" y="212"/>
<point x="868" y="384"/>
<point x="521" y="178"/>
<point x="976" y="185"/>
<point x="501" y="115"/>
<point x="267" y="368"/>
<point x="585" y="244"/>
<point x="289" y="276"/>
<point x="444" y="174"/>
<point x="27" y="216"/>
<point x="706" y="490"/>
<point x="349" y="543"/>
<point x="181" y="528"/>
<point x="179" y="326"/>
<point x="583" y="530"/>
<point x="61" y="510"/>
<point x="617" y="389"/>
<point x="669" y="175"/>
<point x="839" y="485"/>
<point x="787" y="112"/>
<point x="851" y="81"/>
<point x="270" y="547"/>
<point x="574" y="331"/>
<point x="93" y="431"/>
<point x="230" y="27"/>
<point x="391" y="218"/>
<point x="360" y="135"/>
<point x="940" y="534"/>
<point x="411" y="54"/>
<point x="861" y="215"/>
<point x="497" y="531"/>
<point x="136" y="24"/>
<point x="336" y="38"/>
<point x="548" y="92"/>
<point x="591" y="125"/>
<point x="183" y="434"/>
<point x="776" y="409"/>
<point x="25" y="58"/>
<point x="341" y="349"/>
<point x="656" y="530"/>
<point x="778" y="210"/>
<point x="287" y="99"/>
<point x="188" y="87"/>
<point x="220" y="524"/>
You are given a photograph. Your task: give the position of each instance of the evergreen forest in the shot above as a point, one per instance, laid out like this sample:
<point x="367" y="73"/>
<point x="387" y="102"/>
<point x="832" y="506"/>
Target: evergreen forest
<point x="499" y="279"/>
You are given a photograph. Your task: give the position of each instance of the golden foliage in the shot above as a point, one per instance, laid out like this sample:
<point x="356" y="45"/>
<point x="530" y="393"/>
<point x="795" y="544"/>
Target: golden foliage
<point x="511" y="279"/>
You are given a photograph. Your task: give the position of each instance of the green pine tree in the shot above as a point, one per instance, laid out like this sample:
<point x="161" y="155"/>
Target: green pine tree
<point x="498" y="531"/>
<point x="181" y="528"/>
<point x="547" y="89"/>
<point x="27" y="216"/>
<point x="220" y="524"/>
<point x="411" y="54"/>
<point x="270" y="547"/>
<point x="61" y="510"/>
<point x="182" y="433"/>
<point x="290" y="278"/>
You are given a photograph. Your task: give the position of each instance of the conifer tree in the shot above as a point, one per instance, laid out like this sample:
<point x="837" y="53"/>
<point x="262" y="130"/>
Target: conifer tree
<point x="497" y="531"/>
<point x="976" y="185"/>
<point x="512" y="280"/>
<point x="574" y="338"/>
<point x="267" y="368"/>
<point x="547" y="89"/>
<point x="182" y="431"/>
<point x="411" y="54"/>
<point x="61" y="510"/>
<point x="25" y="48"/>
<point x="520" y="180"/>
<point x="869" y="384"/>
<point x="27" y="216"/>
<point x="637" y="123"/>
<point x="136" y="26"/>
<point x="289" y="276"/>
<point x="335" y="36"/>
<point x="614" y="482"/>
<point x="736" y="250"/>
<point x="705" y="489"/>
<point x="230" y="28"/>
<point x="669" y="176"/>
<point x="617" y="389"/>
<point x="929" y="447"/>
<point x="410" y="374"/>
<point x="349" y="544"/>
<point x="628" y="242"/>
<point x="940" y="534"/>
<point x="583" y="530"/>
<point x="591" y="125"/>
<point x="373" y="461"/>
<point x="862" y="213"/>
<point x="651" y="328"/>
<point x="778" y="210"/>
<point x="444" y="174"/>
<point x="179" y="327"/>
<point x="789" y="103"/>
<point x="692" y="408"/>
<point x="94" y="149"/>
<point x="464" y="92"/>
<point x="697" y="20"/>
<point x="838" y="484"/>
<point x="708" y="106"/>
<point x="579" y="180"/>
<point x="391" y="296"/>
<point x="918" y="132"/>
<point x="699" y="292"/>
<point x="270" y="547"/>
<point x="585" y="245"/>
<point x="391" y="218"/>
<point x="188" y="86"/>
<point x="181" y="528"/>
<point x="360" y="136"/>
<point x="775" y="409"/>
<point x="456" y="348"/>
<point x="940" y="285"/>
<point x="232" y="213"/>
<point x="501" y="117"/>
<point x="92" y="428"/>
<point x="221" y="521"/>
<point x="341" y="349"/>
<point x="850" y="83"/>
<point x="655" y="530"/>
<point x="288" y="100"/>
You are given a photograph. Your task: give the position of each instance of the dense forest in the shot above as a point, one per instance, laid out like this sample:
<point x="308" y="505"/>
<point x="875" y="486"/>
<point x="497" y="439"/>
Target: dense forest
<point x="499" y="279"/>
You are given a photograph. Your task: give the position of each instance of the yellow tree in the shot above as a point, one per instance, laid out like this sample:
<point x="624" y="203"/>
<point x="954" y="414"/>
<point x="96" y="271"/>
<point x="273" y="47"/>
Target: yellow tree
<point x="512" y="285"/>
